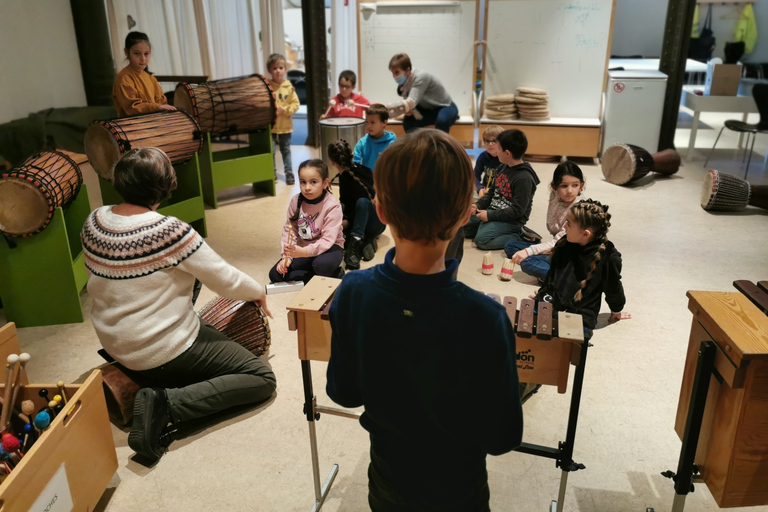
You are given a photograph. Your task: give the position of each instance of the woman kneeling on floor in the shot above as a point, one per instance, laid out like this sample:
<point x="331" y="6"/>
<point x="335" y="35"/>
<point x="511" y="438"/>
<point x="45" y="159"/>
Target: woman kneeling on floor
<point x="142" y="267"/>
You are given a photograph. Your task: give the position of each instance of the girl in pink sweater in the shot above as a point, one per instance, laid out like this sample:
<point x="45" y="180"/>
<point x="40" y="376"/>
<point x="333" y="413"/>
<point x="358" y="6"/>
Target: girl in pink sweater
<point x="313" y="243"/>
<point x="566" y="188"/>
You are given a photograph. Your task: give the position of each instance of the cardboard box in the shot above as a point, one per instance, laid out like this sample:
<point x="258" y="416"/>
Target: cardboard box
<point x="723" y="80"/>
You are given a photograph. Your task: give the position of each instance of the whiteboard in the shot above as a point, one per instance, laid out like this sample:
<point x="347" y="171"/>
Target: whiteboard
<point x="438" y="36"/>
<point x="558" y="45"/>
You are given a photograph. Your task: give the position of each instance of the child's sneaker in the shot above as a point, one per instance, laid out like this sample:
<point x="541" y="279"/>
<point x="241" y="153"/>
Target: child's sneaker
<point x="369" y="249"/>
<point x="289" y="179"/>
<point x="150" y="419"/>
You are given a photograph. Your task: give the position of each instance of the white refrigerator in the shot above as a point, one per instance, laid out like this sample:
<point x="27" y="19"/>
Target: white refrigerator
<point x="634" y="102"/>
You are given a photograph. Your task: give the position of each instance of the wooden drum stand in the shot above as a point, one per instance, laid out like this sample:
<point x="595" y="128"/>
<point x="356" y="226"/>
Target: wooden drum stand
<point x="722" y="412"/>
<point x="547" y="345"/>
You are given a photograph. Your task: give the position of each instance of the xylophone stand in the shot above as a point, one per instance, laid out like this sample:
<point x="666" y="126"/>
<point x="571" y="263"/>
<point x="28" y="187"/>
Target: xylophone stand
<point x="310" y="409"/>
<point x="686" y="468"/>
<point x="563" y="454"/>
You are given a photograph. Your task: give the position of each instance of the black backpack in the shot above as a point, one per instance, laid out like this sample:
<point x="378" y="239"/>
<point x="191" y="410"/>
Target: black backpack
<point x="701" y="47"/>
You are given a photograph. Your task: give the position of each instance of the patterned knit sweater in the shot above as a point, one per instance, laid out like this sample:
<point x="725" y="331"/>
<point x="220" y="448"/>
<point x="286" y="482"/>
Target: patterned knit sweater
<point x="141" y="272"/>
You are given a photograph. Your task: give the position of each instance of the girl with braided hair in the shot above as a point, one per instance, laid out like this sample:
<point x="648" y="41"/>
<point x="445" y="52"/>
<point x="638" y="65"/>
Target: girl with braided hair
<point x="585" y="265"/>
<point x="356" y="193"/>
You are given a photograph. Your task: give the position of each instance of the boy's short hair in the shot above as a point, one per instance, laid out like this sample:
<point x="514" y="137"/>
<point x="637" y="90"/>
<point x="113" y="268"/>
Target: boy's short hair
<point x="349" y="75"/>
<point x="513" y="141"/>
<point x="144" y="177"/>
<point x="424" y="182"/>
<point x="401" y="60"/>
<point x="274" y="59"/>
<point x="377" y="109"/>
<point x="492" y="131"/>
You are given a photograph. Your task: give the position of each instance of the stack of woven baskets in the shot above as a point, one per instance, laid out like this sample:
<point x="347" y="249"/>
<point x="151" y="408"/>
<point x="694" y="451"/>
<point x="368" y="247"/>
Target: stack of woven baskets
<point x="532" y="104"/>
<point x="501" y="107"/>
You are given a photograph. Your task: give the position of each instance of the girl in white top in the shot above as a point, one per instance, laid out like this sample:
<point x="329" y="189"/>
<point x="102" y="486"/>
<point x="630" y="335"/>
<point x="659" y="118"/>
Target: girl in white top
<point x="566" y="188"/>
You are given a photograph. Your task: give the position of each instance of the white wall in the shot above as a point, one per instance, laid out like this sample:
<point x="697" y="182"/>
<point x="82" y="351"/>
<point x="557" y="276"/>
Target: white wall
<point x="639" y="28"/>
<point x="39" y="63"/>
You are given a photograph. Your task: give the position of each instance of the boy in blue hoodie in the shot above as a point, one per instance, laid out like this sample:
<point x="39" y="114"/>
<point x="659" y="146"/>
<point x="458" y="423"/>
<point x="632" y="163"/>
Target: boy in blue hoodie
<point x="500" y="215"/>
<point x="368" y="149"/>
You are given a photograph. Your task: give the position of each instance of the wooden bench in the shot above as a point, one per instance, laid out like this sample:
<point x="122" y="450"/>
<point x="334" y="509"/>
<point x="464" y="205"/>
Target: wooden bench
<point x="463" y="130"/>
<point x="560" y="136"/>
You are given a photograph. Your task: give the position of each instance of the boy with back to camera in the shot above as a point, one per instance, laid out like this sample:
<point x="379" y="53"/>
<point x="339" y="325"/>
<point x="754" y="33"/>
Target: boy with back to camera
<point x="434" y="408"/>
<point x="376" y="139"/>
<point x="499" y="216"/>
<point x="287" y="104"/>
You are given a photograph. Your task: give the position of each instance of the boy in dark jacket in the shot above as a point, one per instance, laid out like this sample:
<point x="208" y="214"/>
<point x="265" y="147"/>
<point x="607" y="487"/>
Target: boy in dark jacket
<point x="500" y="215"/>
<point x="436" y="410"/>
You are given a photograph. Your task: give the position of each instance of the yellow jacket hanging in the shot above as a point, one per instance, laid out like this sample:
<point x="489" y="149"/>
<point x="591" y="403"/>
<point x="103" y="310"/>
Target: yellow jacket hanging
<point x="746" y="29"/>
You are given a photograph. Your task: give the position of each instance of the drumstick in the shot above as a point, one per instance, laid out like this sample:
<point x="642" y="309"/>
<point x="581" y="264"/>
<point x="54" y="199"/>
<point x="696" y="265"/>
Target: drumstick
<point x="10" y="369"/>
<point x="60" y="384"/>
<point x="331" y="104"/>
<point x="23" y="360"/>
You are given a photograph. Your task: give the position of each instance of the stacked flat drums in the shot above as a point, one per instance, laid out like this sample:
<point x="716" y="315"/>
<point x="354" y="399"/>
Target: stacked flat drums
<point x="31" y="192"/>
<point x="230" y="106"/>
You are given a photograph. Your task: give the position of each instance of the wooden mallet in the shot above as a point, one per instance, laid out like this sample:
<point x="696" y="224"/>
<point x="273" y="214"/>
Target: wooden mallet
<point x="10" y="369"/>
<point x="23" y="360"/>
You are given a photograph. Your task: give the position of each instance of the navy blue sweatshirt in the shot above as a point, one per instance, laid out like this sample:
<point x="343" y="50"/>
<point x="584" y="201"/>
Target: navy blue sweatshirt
<point x="510" y="196"/>
<point x="434" y="363"/>
<point x="570" y="265"/>
<point x="485" y="164"/>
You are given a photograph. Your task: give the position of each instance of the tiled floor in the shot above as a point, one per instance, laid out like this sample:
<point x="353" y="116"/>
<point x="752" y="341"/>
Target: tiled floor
<point x="260" y="461"/>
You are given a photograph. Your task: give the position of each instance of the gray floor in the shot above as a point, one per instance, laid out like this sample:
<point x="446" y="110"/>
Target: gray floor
<point x="260" y="460"/>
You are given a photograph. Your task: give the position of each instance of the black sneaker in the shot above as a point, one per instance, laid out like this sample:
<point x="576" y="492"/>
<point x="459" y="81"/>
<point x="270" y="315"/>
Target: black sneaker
<point x="150" y="418"/>
<point x="289" y="179"/>
<point x="369" y="249"/>
<point x="352" y="253"/>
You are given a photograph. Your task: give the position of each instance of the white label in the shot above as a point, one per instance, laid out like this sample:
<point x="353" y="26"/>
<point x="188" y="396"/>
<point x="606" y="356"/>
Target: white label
<point x="56" y="497"/>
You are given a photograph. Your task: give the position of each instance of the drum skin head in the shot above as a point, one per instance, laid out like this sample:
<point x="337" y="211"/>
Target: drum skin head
<point x="618" y="164"/>
<point x="23" y="207"/>
<point x="342" y="121"/>
<point x="182" y="100"/>
<point x="102" y="150"/>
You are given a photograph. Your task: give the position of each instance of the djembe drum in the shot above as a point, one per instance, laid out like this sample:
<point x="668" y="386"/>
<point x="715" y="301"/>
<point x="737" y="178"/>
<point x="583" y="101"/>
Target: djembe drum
<point x="175" y="132"/>
<point x="229" y="106"/>
<point x="31" y="192"/>
<point x="726" y="192"/>
<point x="243" y="322"/>
<point x="625" y="163"/>
<point x="351" y="129"/>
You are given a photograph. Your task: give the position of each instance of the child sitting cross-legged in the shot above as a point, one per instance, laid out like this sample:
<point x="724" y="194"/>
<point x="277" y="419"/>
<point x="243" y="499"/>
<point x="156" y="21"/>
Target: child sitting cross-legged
<point x="312" y="239"/>
<point x="425" y="456"/>
<point x="566" y="187"/>
<point x="585" y="265"/>
<point x="500" y="214"/>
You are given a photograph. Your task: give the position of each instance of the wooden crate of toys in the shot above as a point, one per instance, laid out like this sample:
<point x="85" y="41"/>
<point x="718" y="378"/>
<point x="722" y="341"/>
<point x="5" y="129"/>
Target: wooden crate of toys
<point x="57" y="440"/>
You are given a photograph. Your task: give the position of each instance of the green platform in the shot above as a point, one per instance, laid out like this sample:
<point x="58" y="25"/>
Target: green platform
<point x="233" y="167"/>
<point x="186" y="203"/>
<point x="41" y="278"/>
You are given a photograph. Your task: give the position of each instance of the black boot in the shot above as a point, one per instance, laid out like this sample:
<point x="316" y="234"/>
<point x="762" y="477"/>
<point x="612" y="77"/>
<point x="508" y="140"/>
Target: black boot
<point x="150" y="419"/>
<point x="369" y="249"/>
<point x="289" y="179"/>
<point x="353" y="253"/>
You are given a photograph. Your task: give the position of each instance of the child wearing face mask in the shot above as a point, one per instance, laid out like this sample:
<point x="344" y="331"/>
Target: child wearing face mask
<point x="425" y="101"/>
